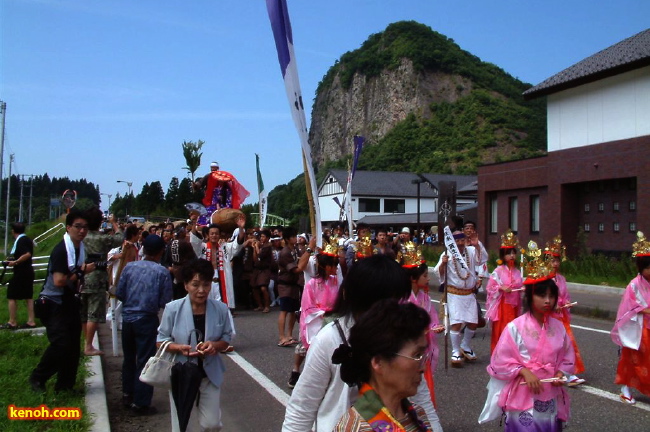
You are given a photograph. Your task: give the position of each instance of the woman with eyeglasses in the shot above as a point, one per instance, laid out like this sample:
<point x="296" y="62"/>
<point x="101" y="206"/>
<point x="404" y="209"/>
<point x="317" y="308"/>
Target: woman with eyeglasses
<point x="385" y="358"/>
<point x="320" y="397"/>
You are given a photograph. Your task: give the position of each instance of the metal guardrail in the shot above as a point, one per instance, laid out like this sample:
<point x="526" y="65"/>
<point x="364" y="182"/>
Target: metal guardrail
<point x="49" y="233"/>
<point x="38" y="263"/>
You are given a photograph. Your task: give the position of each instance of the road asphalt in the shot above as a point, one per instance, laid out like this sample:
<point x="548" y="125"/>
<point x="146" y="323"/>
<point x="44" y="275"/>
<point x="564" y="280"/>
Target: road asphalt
<point x="592" y="301"/>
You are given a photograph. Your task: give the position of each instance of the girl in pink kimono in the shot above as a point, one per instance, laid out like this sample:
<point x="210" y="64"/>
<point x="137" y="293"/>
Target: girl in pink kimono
<point x="555" y="252"/>
<point x="529" y="365"/>
<point x="503" y="289"/>
<point x="318" y="298"/>
<point x="419" y="275"/>
<point x="632" y="328"/>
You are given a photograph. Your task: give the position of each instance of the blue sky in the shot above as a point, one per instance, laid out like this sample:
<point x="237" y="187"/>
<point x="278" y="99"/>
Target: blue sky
<point x="108" y="90"/>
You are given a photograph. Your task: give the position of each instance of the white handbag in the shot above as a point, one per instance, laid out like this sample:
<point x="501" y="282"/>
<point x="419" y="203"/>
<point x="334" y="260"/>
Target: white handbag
<point x="158" y="368"/>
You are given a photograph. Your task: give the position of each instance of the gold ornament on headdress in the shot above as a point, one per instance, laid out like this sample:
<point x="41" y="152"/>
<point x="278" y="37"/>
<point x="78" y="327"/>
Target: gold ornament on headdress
<point x="410" y="256"/>
<point x="331" y="246"/>
<point x="536" y="267"/>
<point x="555" y="248"/>
<point x="509" y="240"/>
<point x="641" y="247"/>
<point x="363" y="247"/>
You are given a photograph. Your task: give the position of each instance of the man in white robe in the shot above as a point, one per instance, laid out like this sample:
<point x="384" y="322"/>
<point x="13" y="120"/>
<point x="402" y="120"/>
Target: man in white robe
<point x="220" y="252"/>
<point x="461" y="285"/>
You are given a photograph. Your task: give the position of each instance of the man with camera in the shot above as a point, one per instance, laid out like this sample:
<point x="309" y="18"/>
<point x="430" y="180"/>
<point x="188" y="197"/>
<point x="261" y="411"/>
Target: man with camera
<point x="93" y="291"/>
<point x="58" y="307"/>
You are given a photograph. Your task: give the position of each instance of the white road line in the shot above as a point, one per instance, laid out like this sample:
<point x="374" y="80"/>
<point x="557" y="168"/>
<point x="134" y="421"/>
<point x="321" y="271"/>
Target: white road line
<point x="590" y="329"/>
<point x="572" y="325"/>
<point x="283" y="397"/>
<point x="275" y="391"/>
<point x="611" y="396"/>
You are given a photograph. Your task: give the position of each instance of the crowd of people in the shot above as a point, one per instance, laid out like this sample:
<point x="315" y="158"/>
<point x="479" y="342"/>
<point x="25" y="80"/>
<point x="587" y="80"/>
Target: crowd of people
<point x="367" y="332"/>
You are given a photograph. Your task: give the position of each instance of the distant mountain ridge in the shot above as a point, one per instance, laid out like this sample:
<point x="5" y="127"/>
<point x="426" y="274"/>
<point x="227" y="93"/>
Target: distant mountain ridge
<point x="424" y="105"/>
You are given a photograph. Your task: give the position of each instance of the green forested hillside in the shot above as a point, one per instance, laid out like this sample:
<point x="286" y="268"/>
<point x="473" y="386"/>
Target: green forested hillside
<point x="479" y="128"/>
<point x="490" y="123"/>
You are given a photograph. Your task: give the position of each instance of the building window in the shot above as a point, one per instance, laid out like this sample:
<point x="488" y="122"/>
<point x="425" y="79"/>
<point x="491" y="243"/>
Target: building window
<point x="587" y="227"/>
<point x="394" y="206"/>
<point x="534" y="214"/>
<point x="513" y="214"/>
<point x="632" y="226"/>
<point x="601" y="207"/>
<point x="493" y="215"/>
<point x="632" y="184"/>
<point x="632" y="205"/>
<point x="601" y="227"/>
<point x="616" y="227"/>
<point x="617" y="207"/>
<point x="369" y="205"/>
<point x="587" y="208"/>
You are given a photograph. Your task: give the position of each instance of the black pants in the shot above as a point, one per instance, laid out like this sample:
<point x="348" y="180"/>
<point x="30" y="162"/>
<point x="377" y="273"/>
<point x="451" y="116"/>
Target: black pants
<point x="63" y="327"/>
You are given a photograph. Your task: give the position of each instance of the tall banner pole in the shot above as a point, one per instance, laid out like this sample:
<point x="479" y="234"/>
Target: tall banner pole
<point x="281" y="26"/>
<point x="310" y="201"/>
<point x="348" y="201"/>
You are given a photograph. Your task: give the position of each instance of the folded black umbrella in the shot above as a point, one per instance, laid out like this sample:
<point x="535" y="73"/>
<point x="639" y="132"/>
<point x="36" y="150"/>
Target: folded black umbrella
<point x="186" y="381"/>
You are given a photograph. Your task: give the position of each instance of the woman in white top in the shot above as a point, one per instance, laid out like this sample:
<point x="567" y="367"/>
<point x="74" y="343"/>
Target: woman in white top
<point x="320" y="397"/>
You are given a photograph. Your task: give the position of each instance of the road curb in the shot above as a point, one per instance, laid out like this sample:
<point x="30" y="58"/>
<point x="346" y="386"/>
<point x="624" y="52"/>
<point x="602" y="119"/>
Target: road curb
<point x="600" y="289"/>
<point x="96" y="394"/>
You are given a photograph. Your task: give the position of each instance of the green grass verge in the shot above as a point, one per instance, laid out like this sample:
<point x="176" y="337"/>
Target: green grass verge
<point x="588" y="269"/>
<point x="20" y="352"/>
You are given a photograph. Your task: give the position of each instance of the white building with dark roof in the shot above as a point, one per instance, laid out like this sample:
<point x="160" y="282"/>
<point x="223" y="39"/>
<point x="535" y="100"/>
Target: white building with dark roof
<point x="387" y="198"/>
<point x="595" y="176"/>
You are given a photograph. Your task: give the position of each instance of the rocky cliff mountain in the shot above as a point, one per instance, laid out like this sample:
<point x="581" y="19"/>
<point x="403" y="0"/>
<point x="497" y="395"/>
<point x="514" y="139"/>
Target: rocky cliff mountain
<point x="423" y="104"/>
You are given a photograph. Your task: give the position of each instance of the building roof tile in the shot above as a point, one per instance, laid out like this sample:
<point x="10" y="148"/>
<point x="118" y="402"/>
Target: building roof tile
<point x="629" y="54"/>
<point x="395" y="183"/>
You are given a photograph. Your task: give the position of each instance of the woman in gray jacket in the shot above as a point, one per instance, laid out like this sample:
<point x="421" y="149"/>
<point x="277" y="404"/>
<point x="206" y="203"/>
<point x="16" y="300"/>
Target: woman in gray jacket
<point x="196" y="311"/>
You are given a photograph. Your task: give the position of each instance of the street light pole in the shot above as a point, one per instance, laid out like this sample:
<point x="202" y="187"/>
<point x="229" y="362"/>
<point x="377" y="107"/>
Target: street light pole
<point x="129" y="184"/>
<point x="109" y="200"/>
<point x="418" y="181"/>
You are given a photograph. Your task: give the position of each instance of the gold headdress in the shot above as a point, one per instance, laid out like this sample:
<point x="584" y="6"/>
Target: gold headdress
<point x="555" y="248"/>
<point x="331" y="246"/>
<point x="410" y="256"/>
<point x="641" y="247"/>
<point x="509" y="240"/>
<point x="363" y="247"/>
<point x="537" y="268"/>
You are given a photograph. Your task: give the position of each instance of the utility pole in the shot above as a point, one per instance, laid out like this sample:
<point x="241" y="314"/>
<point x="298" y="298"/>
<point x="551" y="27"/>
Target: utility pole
<point x="20" y="205"/>
<point x="3" y="109"/>
<point x="11" y="159"/>
<point x="31" y="195"/>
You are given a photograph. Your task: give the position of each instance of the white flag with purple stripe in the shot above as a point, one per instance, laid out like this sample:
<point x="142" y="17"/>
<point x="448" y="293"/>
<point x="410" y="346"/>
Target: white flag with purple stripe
<point x="281" y="26"/>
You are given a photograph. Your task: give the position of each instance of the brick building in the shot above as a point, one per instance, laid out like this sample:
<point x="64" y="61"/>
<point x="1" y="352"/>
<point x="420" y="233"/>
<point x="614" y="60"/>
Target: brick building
<point x="596" y="174"/>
